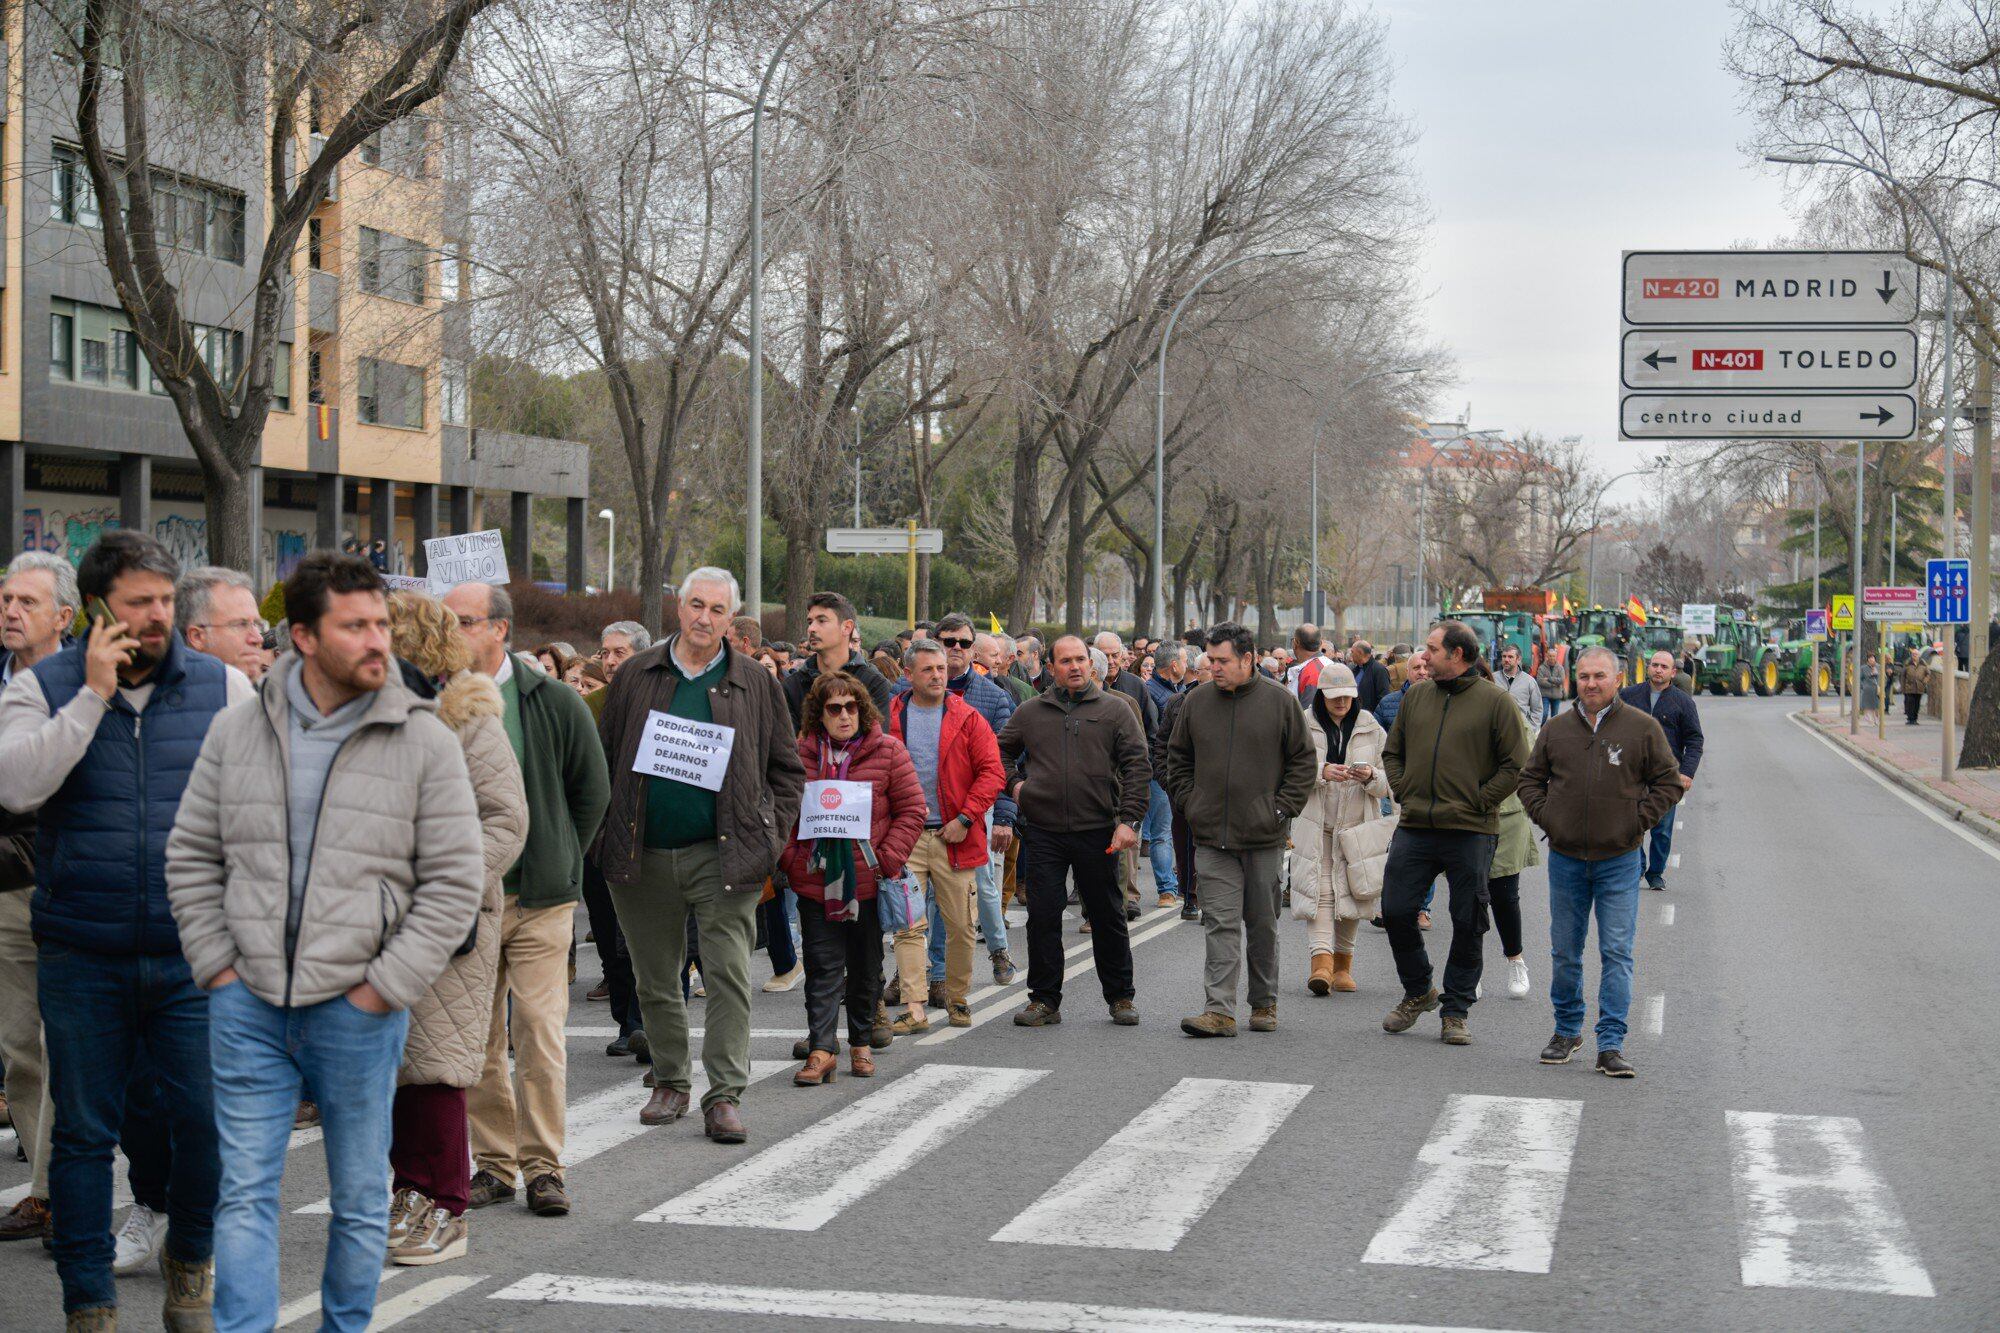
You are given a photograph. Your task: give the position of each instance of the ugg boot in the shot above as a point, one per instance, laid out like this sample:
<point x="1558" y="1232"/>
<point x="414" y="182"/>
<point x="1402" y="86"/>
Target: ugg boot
<point x="1321" y="980"/>
<point x="1343" y="971"/>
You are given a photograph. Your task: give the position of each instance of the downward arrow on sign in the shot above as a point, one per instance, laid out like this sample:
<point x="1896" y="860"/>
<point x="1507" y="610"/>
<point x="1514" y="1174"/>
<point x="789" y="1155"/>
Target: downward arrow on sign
<point x="1887" y="290"/>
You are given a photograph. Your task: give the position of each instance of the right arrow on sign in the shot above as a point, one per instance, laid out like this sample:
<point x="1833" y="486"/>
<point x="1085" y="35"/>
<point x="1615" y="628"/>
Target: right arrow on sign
<point x="1881" y="416"/>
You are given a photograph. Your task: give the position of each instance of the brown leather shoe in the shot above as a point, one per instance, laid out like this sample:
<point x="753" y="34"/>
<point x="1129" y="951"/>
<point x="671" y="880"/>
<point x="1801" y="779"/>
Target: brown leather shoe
<point x="546" y="1196"/>
<point x="722" y="1122"/>
<point x="26" y="1220"/>
<point x="664" y="1106"/>
<point x="819" y="1068"/>
<point x="861" y="1061"/>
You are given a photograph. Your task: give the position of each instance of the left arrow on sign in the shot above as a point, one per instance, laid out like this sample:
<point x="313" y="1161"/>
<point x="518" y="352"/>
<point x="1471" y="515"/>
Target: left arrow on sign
<point x="1653" y="359"/>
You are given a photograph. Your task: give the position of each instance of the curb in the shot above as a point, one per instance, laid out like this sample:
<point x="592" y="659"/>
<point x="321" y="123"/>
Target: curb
<point x="1985" y="827"/>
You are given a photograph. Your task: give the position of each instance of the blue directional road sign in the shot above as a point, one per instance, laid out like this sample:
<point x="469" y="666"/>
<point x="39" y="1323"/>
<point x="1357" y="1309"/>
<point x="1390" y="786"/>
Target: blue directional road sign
<point x="1949" y="583"/>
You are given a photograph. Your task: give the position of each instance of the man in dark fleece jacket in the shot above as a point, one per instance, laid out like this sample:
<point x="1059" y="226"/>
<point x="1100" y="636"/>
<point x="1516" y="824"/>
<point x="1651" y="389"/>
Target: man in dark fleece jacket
<point x="830" y="642"/>
<point x="1601" y="775"/>
<point x="1240" y="763"/>
<point x="1453" y="755"/>
<point x="1077" y="769"/>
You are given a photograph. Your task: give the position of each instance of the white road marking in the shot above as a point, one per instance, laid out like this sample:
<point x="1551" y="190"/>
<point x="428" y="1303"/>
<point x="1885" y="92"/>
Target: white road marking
<point x="1923" y="808"/>
<point x="606" y="1119"/>
<point x="992" y="1011"/>
<point x="585" y="1030"/>
<point x="805" y="1181"/>
<point x="1674" y="861"/>
<point x="308" y="1305"/>
<point x="1152" y="1181"/>
<point x="924" y="1311"/>
<point x="420" y="1298"/>
<point x="1654" y="1022"/>
<point x="1487" y="1190"/>
<point x="1814" y="1212"/>
<point x="1666" y="914"/>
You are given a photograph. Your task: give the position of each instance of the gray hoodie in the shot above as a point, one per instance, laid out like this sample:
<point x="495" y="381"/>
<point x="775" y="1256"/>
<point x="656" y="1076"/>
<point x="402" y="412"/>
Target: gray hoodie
<point x="315" y="739"/>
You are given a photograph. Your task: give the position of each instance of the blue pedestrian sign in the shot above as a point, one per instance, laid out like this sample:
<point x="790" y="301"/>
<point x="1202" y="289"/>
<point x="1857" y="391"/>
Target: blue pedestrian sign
<point x="1949" y="583"/>
<point x="1816" y="625"/>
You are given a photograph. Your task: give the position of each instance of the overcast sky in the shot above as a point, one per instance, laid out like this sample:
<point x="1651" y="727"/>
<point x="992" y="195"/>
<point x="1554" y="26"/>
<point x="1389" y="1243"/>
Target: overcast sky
<point x="1555" y="134"/>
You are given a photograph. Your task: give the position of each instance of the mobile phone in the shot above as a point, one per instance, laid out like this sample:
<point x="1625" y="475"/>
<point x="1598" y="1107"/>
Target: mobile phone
<point x="94" y="610"/>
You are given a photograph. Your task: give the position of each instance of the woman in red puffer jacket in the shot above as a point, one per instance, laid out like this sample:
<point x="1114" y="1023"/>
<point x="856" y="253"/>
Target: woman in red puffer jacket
<point x="835" y="878"/>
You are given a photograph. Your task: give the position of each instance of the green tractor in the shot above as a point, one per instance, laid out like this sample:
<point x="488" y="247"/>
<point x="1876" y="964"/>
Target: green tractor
<point x="1738" y="659"/>
<point x="1599" y="628"/>
<point x="1795" y="659"/>
<point x="1499" y="629"/>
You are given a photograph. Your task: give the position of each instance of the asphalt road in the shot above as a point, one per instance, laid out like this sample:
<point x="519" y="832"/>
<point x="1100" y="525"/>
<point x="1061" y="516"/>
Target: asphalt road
<point x="1809" y="1143"/>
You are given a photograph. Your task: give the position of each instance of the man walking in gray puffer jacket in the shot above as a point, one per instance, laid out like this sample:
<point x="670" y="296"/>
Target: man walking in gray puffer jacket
<point x="325" y="865"/>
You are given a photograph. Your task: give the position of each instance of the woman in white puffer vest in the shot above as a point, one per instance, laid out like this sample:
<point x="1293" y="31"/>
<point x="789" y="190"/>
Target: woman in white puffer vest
<point x="1348" y="742"/>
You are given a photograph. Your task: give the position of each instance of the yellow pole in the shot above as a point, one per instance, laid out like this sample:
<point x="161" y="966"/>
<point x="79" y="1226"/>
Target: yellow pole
<point x="912" y="588"/>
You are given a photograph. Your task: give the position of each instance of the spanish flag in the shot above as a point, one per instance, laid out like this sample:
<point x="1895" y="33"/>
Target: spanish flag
<point x="1635" y="610"/>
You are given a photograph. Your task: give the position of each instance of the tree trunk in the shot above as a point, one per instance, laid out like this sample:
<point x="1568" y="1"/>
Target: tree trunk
<point x="1028" y="536"/>
<point x="652" y="570"/>
<point x="1265" y="578"/>
<point x="226" y="492"/>
<point x="1077" y="564"/>
<point x="1982" y="718"/>
<point x="801" y="566"/>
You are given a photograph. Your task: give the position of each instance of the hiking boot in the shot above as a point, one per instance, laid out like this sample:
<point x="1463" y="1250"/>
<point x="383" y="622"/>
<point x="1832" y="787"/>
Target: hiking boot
<point x="1004" y="970"/>
<point x="433" y="1238"/>
<point x="1035" y="1014"/>
<point x="959" y="1014"/>
<point x="879" y="1036"/>
<point x="1168" y="900"/>
<point x="1208" y="1023"/>
<point x="1453" y="1031"/>
<point x="96" y="1319"/>
<point x="1264" y="1018"/>
<point x="1124" y="1013"/>
<point x="546" y="1197"/>
<point x="722" y="1122"/>
<point x="1560" y="1049"/>
<point x="642" y="1049"/>
<point x="1613" y="1064"/>
<point x="1411" y="1007"/>
<point x="190" y="1303"/>
<point x="488" y="1189"/>
<point x="892" y="994"/>
<point x="910" y="1025"/>
<point x="663" y="1107"/>
<point x="406" y="1207"/>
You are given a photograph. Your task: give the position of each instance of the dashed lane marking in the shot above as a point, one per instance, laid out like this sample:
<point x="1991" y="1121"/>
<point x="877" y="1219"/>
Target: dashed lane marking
<point x="291" y="1312"/>
<point x="1654" y="1021"/>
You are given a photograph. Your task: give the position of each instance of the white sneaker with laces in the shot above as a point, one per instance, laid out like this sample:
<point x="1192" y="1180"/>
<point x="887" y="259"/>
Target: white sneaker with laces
<point x="1517" y="978"/>
<point x="138" y="1242"/>
<point x="784" y="981"/>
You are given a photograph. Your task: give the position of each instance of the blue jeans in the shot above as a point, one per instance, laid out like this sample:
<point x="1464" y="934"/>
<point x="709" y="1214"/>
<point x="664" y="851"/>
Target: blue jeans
<point x="1660" y="844"/>
<point x="1159" y="831"/>
<point x="1576" y="888"/>
<point x="992" y="919"/>
<point x="102" y="1016"/>
<point x="262" y="1054"/>
<point x="1550" y="707"/>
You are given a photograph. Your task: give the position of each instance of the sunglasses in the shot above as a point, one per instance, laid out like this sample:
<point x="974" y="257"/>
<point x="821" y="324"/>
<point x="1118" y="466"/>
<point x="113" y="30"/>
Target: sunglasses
<point x="841" y="707"/>
<point x="956" y="643"/>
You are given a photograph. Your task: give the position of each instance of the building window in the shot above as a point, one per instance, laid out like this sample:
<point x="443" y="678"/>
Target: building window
<point x="315" y="378"/>
<point x="390" y="394"/>
<point x="281" y="378"/>
<point x="393" y="266"/>
<point x="452" y="391"/>
<point x="62" y="347"/>
<point x="315" y="257"/>
<point x="124" y="359"/>
<point x="94" y="365"/>
<point x="72" y="198"/>
<point x="401" y="147"/>
<point x="187" y="215"/>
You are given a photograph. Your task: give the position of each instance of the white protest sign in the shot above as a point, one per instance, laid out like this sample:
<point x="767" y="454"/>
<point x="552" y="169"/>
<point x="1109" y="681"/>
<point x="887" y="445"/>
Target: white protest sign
<point x="696" y="753"/>
<point x="469" y="557"/>
<point x="1698" y="617"/>
<point x="836" y="810"/>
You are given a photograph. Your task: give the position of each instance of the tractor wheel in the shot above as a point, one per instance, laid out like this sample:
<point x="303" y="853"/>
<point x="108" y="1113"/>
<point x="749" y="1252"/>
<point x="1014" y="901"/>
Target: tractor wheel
<point x="1802" y="686"/>
<point x="1767" y="677"/>
<point x="1825" y="679"/>
<point x="1740" y="685"/>
<point x="1717" y="688"/>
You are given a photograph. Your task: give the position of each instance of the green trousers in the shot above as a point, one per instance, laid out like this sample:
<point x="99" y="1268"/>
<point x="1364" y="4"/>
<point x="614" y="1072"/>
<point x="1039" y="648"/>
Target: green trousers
<point x="653" y="914"/>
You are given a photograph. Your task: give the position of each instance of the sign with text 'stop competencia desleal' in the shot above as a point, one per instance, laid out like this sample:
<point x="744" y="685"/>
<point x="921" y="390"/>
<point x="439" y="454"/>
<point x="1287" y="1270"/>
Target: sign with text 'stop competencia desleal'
<point x="1763" y="344"/>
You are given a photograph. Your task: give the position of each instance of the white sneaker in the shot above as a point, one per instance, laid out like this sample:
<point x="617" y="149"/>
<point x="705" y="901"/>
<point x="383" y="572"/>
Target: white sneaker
<point x="138" y="1241"/>
<point x="1517" y="978"/>
<point x="1479" y="990"/>
<point x="695" y="988"/>
<point x="784" y="981"/>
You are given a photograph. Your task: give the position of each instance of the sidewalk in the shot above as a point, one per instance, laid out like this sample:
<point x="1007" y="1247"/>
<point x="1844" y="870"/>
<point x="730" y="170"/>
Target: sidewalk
<point x="1908" y="757"/>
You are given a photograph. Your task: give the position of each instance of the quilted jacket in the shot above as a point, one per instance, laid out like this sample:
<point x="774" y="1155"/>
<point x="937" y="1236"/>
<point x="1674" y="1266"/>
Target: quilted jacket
<point x="448" y="1027"/>
<point x="895" y="820"/>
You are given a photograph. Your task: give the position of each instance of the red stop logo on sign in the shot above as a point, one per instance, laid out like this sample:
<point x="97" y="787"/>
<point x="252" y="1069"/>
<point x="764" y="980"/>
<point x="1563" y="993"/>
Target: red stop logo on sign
<point x="830" y="799"/>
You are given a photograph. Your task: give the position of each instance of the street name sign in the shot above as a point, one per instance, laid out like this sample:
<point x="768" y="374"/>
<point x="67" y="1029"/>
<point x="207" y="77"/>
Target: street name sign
<point x="1893" y="605"/>
<point x="1698" y="617"/>
<point x="1949" y="585"/>
<point x="1764" y="287"/>
<point x="1765" y="416"/>
<point x="1841" y="611"/>
<point x="1816" y="625"/>
<point x="883" y="541"/>
<point x="1771" y="358"/>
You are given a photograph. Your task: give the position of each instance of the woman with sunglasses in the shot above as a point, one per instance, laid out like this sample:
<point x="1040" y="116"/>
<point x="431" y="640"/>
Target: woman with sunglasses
<point x="842" y="740"/>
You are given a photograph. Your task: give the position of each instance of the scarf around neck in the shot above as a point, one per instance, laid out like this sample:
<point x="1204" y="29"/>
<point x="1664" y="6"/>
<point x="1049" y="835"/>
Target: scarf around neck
<point x="833" y="858"/>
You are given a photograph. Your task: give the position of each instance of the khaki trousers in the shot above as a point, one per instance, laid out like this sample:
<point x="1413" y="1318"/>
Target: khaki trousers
<point x="21" y="1037"/>
<point x="517" y="1119"/>
<point x="955" y="892"/>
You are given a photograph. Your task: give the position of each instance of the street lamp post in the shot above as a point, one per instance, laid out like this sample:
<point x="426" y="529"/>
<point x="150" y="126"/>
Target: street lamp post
<point x="1313" y="594"/>
<point x="1948" y="690"/>
<point x="753" y="525"/>
<point x="610" y="551"/>
<point x="1160" y="429"/>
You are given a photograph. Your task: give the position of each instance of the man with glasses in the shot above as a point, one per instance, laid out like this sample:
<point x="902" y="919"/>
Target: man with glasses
<point x="215" y="609"/>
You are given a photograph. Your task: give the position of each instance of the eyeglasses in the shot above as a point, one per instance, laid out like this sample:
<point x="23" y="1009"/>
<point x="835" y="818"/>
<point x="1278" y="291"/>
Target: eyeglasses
<point x="470" y="622"/>
<point x="237" y="626"/>
<point x="841" y="707"/>
<point x="956" y="643"/>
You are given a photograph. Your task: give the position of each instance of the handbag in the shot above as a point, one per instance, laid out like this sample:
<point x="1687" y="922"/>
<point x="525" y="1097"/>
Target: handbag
<point x="899" y="903"/>
<point x="1365" y="850"/>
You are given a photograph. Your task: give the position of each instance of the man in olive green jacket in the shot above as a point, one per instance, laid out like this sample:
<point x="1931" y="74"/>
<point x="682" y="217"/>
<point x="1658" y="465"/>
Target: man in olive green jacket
<point x="568" y="787"/>
<point x="1454" y="754"/>
<point x="1240" y="765"/>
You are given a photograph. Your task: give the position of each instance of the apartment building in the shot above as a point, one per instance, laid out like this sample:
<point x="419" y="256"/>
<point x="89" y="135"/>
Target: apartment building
<point x="370" y="436"/>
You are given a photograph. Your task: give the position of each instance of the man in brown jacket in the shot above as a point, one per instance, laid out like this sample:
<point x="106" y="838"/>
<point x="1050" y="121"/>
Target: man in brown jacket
<point x="1600" y="776"/>
<point x="705" y="787"/>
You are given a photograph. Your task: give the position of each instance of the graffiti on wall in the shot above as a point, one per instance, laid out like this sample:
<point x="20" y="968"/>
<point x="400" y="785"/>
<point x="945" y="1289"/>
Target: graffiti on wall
<point x="70" y="532"/>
